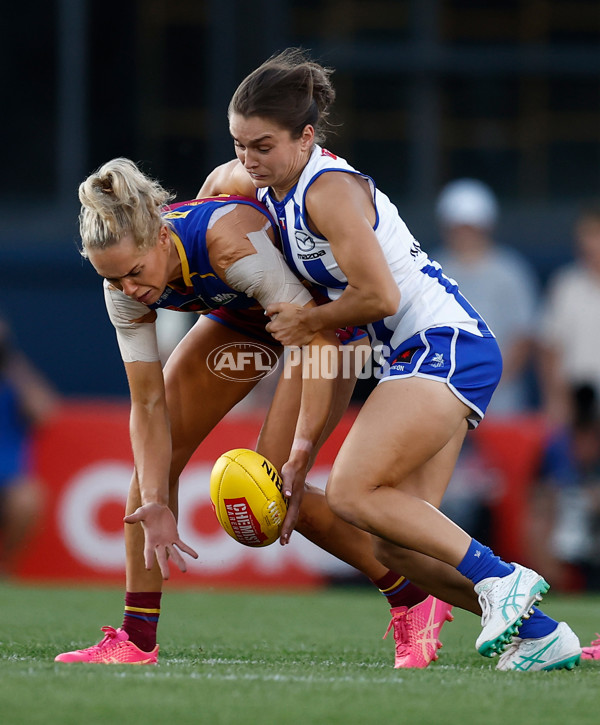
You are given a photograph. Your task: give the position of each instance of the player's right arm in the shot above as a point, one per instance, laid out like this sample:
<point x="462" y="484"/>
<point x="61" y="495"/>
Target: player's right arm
<point x="228" y="178"/>
<point x="242" y="252"/>
<point x="149" y="428"/>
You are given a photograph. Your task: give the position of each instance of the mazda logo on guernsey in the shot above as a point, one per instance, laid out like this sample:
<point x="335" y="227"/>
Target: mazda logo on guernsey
<point x="242" y="361"/>
<point x="304" y="241"/>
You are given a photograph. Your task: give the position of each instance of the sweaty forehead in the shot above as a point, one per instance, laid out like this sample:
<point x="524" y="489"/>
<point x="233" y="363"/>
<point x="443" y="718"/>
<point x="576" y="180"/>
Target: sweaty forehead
<point x="253" y="129"/>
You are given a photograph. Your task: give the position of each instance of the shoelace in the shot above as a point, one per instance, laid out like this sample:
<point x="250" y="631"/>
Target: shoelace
<point x="111" y="634"/>
<point x="595" y="642"/>
<point x="486" y="607"/>
<point x="399" y="623"/>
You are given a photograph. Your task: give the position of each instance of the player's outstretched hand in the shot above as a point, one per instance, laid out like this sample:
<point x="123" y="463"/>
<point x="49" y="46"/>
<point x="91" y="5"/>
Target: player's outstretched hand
<point x="293" y="473"/>
<point x="161" y="537"/>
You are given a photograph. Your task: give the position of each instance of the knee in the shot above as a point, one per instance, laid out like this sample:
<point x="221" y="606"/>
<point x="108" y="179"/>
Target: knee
<point x="340" y="498"/>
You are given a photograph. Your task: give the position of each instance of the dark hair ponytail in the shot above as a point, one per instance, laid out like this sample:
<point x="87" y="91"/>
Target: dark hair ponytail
<point x="291" y="90"/>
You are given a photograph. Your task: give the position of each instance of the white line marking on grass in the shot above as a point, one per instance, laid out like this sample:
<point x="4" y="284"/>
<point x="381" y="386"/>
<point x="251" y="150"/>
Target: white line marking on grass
<point x="265" y="677"/>
<point x="264" y="663"/>
<point x="162" y="672"/>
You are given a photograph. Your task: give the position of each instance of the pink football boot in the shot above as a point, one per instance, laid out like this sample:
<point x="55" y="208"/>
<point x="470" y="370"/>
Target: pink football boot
<point x="416" y="631"/>
<point x="114" y="649"/>
<point x="593" y="651"/>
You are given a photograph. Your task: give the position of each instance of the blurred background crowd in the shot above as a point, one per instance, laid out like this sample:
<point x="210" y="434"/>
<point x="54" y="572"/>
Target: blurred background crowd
<point x="481" y="120"/>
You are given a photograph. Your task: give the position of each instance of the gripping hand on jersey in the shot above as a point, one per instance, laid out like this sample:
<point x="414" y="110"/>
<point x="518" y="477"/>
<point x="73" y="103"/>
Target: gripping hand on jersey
<point x="290" y="324"/>
<point x="160" y="537"/>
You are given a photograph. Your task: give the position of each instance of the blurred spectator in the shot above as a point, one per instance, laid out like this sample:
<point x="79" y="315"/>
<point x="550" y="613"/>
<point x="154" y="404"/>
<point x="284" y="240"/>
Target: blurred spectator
<point x="496" y="280"/>
<point x="565" y="529"/>
<point x="570" y="326"/>
<point x="500" y="284"/>
<point x="26" y="400"/>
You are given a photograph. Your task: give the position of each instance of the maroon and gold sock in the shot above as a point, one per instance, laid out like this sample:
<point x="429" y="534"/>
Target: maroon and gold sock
<point x="142" y="610"/>
<point x="399" y="591"/>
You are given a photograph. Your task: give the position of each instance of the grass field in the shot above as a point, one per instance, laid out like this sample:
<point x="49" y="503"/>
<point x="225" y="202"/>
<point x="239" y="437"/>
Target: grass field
<point x="272" y="659"/>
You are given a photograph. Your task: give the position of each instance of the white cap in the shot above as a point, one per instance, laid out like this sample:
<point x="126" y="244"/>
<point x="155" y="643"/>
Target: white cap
<point x="467" y="201"/>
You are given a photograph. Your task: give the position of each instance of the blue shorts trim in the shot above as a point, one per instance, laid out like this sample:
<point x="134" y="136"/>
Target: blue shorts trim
<point x="470" y="365"/>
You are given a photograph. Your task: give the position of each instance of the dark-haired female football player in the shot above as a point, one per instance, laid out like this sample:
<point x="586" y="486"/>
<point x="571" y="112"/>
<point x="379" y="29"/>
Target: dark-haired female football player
<point x="343" y="235"/>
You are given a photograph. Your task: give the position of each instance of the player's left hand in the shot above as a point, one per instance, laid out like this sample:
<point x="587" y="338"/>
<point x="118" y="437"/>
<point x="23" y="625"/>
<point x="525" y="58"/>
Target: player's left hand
<point x="289" y="324"/>
<point x="161" y="537"/>
<point x="293" y="473"/>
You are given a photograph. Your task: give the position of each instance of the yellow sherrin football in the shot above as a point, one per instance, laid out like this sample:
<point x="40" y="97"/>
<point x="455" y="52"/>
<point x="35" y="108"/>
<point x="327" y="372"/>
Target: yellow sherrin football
<point x="246" y="494"/>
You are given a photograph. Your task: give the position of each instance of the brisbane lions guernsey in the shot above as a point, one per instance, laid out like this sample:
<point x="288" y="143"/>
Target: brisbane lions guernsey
<point x="198" y="290"/>
<point x="202" y="290"/>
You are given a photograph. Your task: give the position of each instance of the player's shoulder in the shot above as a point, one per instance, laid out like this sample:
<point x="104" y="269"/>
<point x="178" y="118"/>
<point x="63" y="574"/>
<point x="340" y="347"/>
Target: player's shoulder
<point x="336" y="194"/>
<point x="326" y="170"/>
<point x="243" y="210"/>
<point x="241" y="181"/>
<point x="231" y="177"/>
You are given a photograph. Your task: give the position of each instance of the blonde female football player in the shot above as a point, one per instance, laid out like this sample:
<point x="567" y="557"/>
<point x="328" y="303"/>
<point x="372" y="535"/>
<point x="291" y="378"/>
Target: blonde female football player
<point x="343" y="235"/>
<point x="195" y="256"/>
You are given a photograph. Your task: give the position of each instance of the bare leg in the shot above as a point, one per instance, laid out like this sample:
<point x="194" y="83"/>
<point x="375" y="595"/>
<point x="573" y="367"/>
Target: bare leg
<point x="395" y="464"/>
<point x="317" y="522"/>
<point x="188" y="381"/>
<point x="433" y="576"/>
<point x="197" y="400"/>
<point x="370" y="555"/>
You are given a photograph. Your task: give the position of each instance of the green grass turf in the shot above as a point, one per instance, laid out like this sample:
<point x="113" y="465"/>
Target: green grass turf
<point x="272" y="659"/>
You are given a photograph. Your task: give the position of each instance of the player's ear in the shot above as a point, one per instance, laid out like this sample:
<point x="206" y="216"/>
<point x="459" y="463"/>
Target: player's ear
<point x="164" y="238"/>
<point x="307" y="137"/>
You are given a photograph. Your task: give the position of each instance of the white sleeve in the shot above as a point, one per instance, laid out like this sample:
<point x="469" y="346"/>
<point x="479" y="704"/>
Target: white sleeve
<point x="265" y="275"/>
<point x="134" y="324"/>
